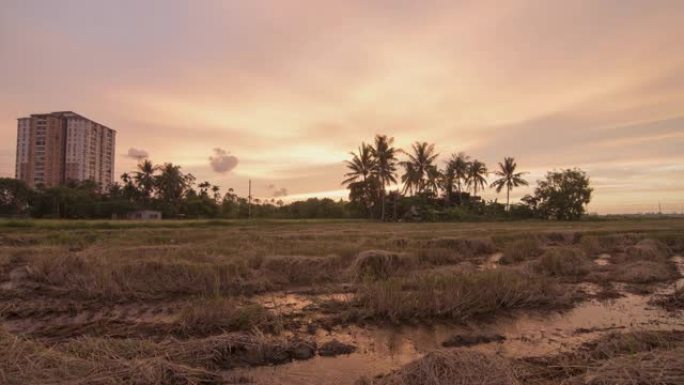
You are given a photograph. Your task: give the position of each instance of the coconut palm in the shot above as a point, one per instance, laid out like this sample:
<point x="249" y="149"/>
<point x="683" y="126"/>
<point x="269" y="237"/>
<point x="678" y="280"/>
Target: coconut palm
<point x="477" y="175"/>
<point x="418" y="167"/>
<point x="360" y="175"/>
<point x="385" y="165"/>
<point x="508" y="178"/>
<point x="456" y="173"/>
<point x="434" y="179"/>
<point x="216" y="190"/>
<point x="144" y="178"/>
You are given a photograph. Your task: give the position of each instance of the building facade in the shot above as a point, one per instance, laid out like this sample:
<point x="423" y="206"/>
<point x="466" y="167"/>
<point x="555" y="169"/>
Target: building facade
<point x="58" y="147"/>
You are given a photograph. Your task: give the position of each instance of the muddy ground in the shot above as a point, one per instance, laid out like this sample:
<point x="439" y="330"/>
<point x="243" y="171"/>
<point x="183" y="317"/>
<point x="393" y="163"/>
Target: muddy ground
<point x="340" y="302"/>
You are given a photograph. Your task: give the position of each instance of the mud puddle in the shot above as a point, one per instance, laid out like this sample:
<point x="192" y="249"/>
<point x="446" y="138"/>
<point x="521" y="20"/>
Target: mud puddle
<point x="381" y="349"/>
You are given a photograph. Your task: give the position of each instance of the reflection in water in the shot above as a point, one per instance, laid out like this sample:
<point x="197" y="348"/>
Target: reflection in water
<point x="381" y="349"/>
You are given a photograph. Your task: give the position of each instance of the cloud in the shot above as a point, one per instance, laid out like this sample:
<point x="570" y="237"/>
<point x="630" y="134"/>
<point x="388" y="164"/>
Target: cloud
<point x="281" y="192"/>
<point x="222" y="161"/>
<point x="137" y="153"/>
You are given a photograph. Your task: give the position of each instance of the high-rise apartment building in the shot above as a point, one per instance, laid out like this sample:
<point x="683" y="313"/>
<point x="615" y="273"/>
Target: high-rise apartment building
<point x="58" y="147"/>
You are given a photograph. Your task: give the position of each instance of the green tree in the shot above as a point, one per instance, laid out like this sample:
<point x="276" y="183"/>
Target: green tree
<point x="172" y="187"/>
<point x="385" y="165"/>
<point x="563" y="194"/>
<point x="14" y="197"/>
<point x="508" y="178"/>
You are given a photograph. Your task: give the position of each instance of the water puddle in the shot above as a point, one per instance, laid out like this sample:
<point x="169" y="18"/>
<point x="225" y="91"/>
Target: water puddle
<point x="603" y="260"/>
<point x="492" y="262"/>
<point x="381" y="349"/>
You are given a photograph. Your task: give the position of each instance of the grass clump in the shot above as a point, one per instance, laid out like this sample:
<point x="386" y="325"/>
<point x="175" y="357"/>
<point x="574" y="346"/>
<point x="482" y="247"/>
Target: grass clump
<point x="643" y="272"/>
<point x="453" y="367"/>
<point x="672" y="301"/>
<point x="105" y="279"/>
<point x="521" y="250"/>
<point x="437" y="256"/>
<point x="565" y="262"/>
<point x="648" y="368"/>
<point x="466" y="247"/>
<point x="24" y="362"/>
<point x="222" y="315"/>
<point x="591" y="245"/>
<point x="648" y="250"/>
<point x="378" y="264"/>
<point x="615" y="343"/>
<point x="456" y="296"/>
<point x="302" y="270"/>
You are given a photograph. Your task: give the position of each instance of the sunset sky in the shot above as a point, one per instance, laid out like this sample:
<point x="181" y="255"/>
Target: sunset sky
<point x="285" y="89"/>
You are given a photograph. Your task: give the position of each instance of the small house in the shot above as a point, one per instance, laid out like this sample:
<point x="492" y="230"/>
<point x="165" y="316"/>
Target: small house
<point x="144" y="215"/>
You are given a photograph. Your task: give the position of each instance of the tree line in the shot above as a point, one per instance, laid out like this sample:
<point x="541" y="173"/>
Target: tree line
<point x="426" y="191"/>
<point x="165" y="188"/>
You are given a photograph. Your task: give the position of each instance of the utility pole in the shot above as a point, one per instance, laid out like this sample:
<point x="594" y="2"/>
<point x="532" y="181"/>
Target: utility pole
<point x="249" y="201"/>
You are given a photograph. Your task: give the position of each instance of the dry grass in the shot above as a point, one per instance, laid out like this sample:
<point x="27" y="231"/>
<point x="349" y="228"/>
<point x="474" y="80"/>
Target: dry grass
<point x="379" y="264"/>
<point x="563" y="262"/>
<point x="450" y="367"/>
<point x="648" y="250"/>
<point x="639" y="357"/>
<point x="25" y="362"/>
<point x="559" y="238"/>
<point x="649" y="368"/>
<point x="643" y="272"/>
<point x="456" y="296"/>
<point x="104" y="279"/>
<point x="464" y="246"/>
<point x="304" y="270"/>
<point x="672" y="301"/>
<point x="521" y="250"/>
<point x="218" y="315"/>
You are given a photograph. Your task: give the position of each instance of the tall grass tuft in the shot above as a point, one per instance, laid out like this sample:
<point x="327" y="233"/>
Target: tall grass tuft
<point x="456" y="296"/>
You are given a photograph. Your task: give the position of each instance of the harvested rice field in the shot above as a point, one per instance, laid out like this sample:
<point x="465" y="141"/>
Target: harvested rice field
<point x="342" y="302"/>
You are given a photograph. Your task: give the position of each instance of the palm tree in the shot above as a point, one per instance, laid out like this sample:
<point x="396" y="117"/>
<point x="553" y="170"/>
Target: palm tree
<point x="410" y="178"/>
<point x="477" y="175"/>
<point x="360" y="175"/>
<point x="508" y="178"/>
<point x="434" y="179"/>
<point x="418" y="166"/>
<point x="204" y="188"/>
<point x="456" y="173"/>
<point x="172" y="184"/>
<point x="144" y="178"/>
<point x="216" y="190"/>
<point x="385" y="165"/>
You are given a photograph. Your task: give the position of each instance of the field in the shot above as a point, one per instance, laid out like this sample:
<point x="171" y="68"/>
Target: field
<point x="341" y="302"/>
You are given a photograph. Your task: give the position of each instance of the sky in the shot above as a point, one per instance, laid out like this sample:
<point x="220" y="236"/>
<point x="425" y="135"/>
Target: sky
<point x="281" y="91"/>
